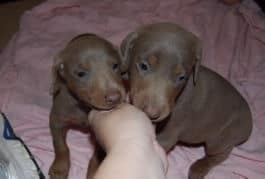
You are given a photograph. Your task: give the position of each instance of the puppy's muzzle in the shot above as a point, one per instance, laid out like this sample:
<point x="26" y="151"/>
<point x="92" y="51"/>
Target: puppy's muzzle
<point x="113" y="98"/>
<point x="153" y="112"/>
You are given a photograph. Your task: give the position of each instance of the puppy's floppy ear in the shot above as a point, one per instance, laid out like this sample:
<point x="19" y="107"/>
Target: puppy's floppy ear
<point x="125" y="48"/>
<point x="198" y="56"/>
<point x="57" y="69"/>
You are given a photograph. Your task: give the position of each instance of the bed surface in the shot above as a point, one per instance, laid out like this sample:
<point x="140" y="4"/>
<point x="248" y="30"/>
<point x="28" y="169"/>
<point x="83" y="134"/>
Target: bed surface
<point x="233" y="45"/>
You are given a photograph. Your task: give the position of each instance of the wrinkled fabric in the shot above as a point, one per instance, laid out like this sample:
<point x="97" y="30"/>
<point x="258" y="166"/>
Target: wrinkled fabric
<point x="233" y="41"/>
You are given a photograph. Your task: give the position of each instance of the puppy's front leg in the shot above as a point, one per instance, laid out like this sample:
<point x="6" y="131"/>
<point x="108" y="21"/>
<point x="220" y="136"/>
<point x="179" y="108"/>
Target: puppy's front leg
<point x="95" y="161"/>
<point x="61" y="164"/>
<point x="200" y="168"/>
<point x="168" y="137"/>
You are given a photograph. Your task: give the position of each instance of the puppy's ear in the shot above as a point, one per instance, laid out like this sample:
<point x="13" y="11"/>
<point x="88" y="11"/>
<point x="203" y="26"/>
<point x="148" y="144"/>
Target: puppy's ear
<point x="198" y="56"/>
<point x="125" y="48"/>
<point x="57" y="69"/>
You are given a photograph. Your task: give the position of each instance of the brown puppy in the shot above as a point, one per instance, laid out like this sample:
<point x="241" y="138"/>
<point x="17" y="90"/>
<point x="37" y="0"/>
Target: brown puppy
<point x="196" y="105"/>
<point x="86" y="74"/>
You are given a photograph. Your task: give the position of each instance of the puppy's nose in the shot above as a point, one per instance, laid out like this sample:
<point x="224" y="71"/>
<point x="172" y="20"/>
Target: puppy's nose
<point x="113" y="97"/>
<point x="152" y="112"/>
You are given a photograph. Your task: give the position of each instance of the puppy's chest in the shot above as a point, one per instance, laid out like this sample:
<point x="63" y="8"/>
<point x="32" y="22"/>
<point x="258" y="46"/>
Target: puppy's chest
<point x="69" y="110"/>
<point x="191" y="126"/>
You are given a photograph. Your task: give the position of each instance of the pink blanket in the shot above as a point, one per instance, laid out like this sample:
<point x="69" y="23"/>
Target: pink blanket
<point x="233" y="45"/>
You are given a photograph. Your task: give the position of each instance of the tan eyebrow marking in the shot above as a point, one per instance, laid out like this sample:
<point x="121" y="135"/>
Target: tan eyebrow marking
<point x="153" y="60"/>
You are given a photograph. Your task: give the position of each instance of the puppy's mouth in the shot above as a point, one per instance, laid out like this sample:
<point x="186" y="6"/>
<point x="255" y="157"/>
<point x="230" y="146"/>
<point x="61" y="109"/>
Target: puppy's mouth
<point x="157" y="120"/>
<point x="155" y="114"/>
<point x="100" y="103"/>
<point x="88" y="104"/>
<point x="160" y="118"/>
<point x="103" y="106"/>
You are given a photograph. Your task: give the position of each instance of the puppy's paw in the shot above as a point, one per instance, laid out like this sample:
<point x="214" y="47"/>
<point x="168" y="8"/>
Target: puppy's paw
<point x="197" y="170"/>
<point x="59" y="169"/>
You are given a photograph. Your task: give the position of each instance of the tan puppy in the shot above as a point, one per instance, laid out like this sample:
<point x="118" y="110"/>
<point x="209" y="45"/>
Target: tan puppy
<point x="128" y="138"/>
<point x="189" y="102"/>
<point x="86" y="74"/>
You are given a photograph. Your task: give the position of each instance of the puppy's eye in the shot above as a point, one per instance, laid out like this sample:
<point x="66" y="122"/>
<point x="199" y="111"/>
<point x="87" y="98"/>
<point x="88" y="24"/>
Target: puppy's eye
<point x="115" y="66"/>
<point x="81" y="74"/>
<point x="143" y="66"/>
<point x="182" y="78"/>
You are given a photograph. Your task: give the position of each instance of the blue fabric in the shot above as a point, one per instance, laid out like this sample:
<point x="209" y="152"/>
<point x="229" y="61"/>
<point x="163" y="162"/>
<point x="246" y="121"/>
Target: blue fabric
<point x="9" y="134"/>
<point x="8" y="130"/>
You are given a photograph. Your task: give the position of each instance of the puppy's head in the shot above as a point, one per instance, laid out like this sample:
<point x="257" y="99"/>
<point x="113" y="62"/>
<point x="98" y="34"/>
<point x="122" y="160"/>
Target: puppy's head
<point x="160" y="59"/>
<point x="89" y="67"/>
